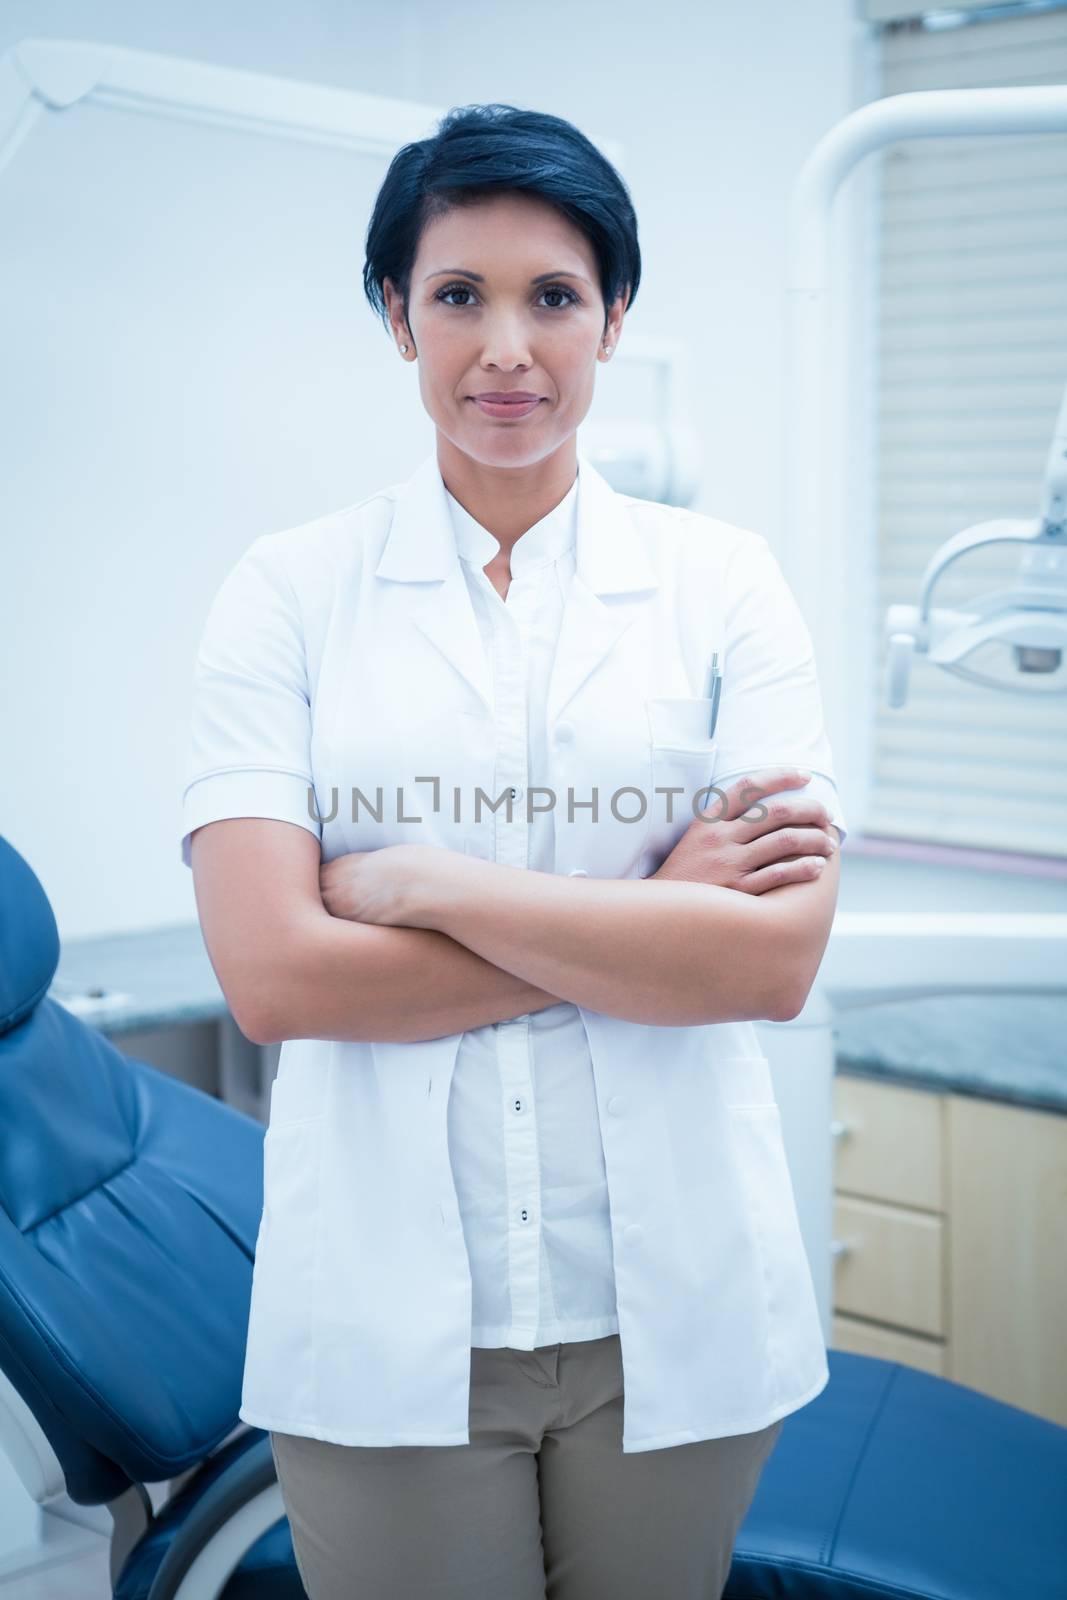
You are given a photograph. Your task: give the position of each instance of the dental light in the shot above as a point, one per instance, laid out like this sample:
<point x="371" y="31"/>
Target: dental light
<point x="1029" y="617"/>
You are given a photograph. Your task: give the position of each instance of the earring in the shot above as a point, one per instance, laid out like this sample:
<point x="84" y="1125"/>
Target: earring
<point x="403" y="349"/>
<point x="607" y="349"/>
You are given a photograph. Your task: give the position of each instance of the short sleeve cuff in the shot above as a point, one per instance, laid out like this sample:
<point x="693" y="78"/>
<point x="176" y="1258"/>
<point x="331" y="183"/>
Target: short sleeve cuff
<point x="818" y="786"/>
<point x="251" y="792"/>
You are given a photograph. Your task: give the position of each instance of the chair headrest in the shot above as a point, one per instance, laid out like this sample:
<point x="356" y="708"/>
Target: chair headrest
<point x="29" y="939"/>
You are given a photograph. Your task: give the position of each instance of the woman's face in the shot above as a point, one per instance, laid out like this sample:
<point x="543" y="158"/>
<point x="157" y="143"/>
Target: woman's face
<point x="478" y="323"/>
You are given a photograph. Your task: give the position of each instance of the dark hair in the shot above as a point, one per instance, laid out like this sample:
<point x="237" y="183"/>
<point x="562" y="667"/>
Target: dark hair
<point x="483" y="150"/>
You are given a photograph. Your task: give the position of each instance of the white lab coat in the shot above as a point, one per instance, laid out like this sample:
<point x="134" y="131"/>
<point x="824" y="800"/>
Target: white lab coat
<point x="345" y="653"/>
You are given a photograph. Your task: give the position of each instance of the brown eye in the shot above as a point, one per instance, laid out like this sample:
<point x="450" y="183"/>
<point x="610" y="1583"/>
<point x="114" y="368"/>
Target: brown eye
<point x="551" y="288"/>
<point x="453" y="288"/>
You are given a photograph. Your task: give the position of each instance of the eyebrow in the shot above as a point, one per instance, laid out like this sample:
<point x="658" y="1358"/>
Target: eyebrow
<point x="463" y="272"/>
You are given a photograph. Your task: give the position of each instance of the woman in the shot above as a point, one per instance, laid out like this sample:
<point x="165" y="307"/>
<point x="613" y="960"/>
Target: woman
<point x="522" y="1136"/>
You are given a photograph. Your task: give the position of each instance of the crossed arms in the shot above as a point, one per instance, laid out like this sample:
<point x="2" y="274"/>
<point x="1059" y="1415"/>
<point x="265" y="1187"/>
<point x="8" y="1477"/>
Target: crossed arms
<point x="458" y="942"/>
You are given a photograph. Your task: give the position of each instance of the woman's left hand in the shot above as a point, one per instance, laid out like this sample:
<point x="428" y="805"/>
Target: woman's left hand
<point x="382" y="886"/>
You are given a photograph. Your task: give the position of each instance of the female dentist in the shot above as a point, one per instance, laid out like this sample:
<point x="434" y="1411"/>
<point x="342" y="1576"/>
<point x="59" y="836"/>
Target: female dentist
<point x="530" y="1299"/>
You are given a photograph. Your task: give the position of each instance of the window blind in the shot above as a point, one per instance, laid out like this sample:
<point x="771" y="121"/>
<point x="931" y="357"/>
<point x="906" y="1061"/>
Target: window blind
<point x="899" y="10"/>
<point x="972" y="341"/>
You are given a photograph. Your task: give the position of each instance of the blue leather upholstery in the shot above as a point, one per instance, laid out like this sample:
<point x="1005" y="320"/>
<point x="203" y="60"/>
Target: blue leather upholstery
<point x="129" y="1208"/>
<point x="893" y="1482"/>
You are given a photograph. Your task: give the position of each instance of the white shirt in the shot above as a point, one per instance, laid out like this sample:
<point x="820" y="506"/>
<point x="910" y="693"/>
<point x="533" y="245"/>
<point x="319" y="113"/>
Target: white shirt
<point x="523" y="1128"/>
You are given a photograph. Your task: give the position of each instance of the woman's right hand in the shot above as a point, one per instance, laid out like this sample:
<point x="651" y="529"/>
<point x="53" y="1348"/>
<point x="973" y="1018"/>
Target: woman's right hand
<point x="726" y="847"/>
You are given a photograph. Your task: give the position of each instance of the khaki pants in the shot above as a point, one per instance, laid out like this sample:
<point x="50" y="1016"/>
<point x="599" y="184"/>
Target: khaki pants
<point x="541" y="1503"/>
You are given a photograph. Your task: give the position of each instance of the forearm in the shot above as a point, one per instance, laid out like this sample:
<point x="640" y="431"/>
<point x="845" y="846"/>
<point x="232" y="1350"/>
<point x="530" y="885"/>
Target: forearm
<point x="645" y="950"/>
<point x="357" y="981"/>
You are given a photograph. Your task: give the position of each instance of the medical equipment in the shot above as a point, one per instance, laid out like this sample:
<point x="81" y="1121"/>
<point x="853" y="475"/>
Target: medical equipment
<point x="872" y="956"/>
<point x="1030" y="618"/>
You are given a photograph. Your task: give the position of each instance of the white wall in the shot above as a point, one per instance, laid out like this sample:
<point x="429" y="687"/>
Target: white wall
<point x="715" y="107"/>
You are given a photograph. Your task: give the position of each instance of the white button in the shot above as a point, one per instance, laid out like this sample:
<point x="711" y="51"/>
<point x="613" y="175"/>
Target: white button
<point x="564" y="733"/>
<point x="618" y="1104"/>
<point x="577" y="872"/>
<point x="516" y="794"/>
<point x="633" y="1233"/>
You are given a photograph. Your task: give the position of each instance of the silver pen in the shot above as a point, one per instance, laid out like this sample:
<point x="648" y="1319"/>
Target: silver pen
<point x="712" y="691"/>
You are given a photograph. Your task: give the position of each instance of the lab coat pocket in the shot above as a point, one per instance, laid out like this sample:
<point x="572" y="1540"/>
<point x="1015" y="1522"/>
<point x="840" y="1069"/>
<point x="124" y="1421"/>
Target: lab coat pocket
<point x="681" y="764"/>
<point x="298" y="1093"/>
<point x="771" y="1206"/>
<point x="278" y="1368"/>
<point x="745" y="1081"/>
<point x="680" y="722"/>
<point x="290" y="1160"/>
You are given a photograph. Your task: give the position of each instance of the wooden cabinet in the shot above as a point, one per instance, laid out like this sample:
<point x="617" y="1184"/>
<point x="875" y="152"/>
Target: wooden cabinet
<point x="950" y="1238"/>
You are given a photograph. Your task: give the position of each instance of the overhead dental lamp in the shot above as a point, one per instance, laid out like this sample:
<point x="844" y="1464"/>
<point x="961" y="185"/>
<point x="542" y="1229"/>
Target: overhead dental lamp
<point x="1030" y="618"/>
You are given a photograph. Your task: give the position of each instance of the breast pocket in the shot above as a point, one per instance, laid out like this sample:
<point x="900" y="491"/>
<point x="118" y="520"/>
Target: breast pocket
<point x="744" y="1081"/>
<point x="682" y="764"/>
<point x="680" y="722"/>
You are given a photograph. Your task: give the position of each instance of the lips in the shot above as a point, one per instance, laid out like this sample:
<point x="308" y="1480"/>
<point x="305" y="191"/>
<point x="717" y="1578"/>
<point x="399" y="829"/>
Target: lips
<point x="508" y="410"/>
<point x="507" y="397"/>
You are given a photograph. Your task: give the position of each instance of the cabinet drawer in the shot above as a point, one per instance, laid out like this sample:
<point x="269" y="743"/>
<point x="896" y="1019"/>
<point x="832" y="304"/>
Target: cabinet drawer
<point x="890" y="1265"/>
<point x="889" y="1142"/>
<point x="1007" y="1285"/>
<point x="868" y="1339"/>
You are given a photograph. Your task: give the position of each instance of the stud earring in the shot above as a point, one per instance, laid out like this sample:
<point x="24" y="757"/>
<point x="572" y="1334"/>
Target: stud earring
<point x="403" y="349"/>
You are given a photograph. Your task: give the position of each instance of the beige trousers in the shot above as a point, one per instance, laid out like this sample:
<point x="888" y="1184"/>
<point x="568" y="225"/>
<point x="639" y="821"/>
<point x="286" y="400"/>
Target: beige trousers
<point x="541" y="1505"/>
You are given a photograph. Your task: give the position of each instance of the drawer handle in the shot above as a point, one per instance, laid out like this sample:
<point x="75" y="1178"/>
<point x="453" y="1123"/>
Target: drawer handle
<point x="840" y="1247"/>
<point x="839" y="1129"/>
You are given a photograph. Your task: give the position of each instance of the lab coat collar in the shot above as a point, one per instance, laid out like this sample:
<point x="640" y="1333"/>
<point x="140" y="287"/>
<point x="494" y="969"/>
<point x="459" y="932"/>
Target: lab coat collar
<point x="420" y="549"/>
<point x="421" y="543"/>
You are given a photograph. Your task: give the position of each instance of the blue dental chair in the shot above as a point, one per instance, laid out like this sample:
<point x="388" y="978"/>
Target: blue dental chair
<point x="129" y="1208"/>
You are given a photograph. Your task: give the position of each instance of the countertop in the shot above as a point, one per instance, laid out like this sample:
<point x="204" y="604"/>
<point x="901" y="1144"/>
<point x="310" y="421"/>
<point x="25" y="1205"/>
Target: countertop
<point x="998" y="1047"/>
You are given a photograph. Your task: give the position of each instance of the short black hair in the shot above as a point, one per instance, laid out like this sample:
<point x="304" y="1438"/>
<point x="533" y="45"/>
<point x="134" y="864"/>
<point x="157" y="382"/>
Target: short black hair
<point x="483" y="150"/>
